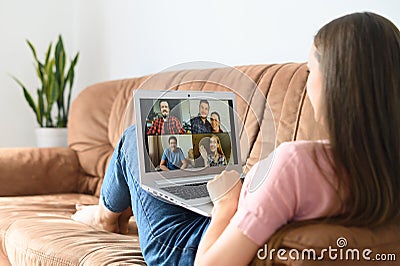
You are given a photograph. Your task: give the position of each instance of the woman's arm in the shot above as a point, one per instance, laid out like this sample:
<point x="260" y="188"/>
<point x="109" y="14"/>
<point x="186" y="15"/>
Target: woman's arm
<point x="224" y="243"/>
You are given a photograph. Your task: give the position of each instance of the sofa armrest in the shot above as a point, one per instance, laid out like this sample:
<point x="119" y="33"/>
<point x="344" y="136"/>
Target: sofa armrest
<point x="35" y="171"/>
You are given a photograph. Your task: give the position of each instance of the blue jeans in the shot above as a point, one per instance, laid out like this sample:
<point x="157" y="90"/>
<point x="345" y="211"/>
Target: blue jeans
<point x="169" y="234"/>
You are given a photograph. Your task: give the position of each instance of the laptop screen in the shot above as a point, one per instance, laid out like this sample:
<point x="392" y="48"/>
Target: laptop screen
<point x="190" y="134"/>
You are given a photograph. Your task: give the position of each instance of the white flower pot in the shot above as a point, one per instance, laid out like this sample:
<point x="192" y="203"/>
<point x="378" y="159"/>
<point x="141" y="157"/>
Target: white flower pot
<point x="51" y="137"/>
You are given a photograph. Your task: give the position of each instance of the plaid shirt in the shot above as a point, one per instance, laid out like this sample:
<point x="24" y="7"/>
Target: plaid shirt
<point x="220" y="162"/>
<point x="161" y="127"/>
<point x="199" y="127"/>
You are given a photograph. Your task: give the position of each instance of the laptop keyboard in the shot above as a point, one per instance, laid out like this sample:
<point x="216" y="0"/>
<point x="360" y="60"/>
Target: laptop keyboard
<point x="189" y="191"/>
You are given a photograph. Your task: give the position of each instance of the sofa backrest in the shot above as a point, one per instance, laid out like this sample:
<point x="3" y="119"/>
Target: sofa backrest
<point x="272" y="106"/>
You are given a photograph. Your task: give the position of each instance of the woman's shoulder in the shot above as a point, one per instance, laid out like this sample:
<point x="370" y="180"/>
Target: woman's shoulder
<point x="304" y="146"/>
<point x="298" y="154"/>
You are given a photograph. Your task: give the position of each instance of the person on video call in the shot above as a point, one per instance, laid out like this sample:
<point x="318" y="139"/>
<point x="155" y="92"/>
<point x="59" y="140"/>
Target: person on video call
<point x="215" y="121"/>
<point x="216" y="157"/>
<point x="200" y="124"/>
<point x="173" y="157"/>
<point x="167" y="124"/>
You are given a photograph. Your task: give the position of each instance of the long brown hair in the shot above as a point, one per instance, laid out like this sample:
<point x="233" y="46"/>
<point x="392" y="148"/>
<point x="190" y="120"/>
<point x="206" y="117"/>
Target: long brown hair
<point x="219" y="146"/>
<point x="359" y="56"/>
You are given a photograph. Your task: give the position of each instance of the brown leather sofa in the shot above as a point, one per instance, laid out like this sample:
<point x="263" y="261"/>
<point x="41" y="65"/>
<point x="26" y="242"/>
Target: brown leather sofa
<point x="40" y="187"/>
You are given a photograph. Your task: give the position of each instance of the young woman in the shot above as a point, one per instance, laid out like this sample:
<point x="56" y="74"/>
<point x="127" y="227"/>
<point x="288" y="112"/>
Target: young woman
<point x="215" y="121"/>
<point x="216" y="156"/>
<point x="354" y="88"/>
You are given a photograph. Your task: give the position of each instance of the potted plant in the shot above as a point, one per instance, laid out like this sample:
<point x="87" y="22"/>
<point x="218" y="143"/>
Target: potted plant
<point x="55" y="89"/>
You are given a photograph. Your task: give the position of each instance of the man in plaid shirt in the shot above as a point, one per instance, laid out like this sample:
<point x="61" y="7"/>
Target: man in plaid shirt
<point x="167" y="124"/>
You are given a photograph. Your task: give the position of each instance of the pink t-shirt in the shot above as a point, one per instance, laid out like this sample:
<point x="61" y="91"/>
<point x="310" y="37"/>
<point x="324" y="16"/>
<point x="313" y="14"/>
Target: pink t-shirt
<point x="293" y="189"/>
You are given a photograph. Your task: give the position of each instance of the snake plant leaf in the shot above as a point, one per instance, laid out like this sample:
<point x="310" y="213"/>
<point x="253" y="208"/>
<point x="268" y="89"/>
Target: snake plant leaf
<point x="29" y="99"/>
<point x="70" y="78"/>
<point x="27" y="95"/>
<point x="71" y="73"/>
<point x="33" y="50"/>
<point x="60" y="66"/>
<point x="60" y="61"/>
<point x="40" y="110"/>
<point x="54" y="91"/>
<point x="51" y="97"/>
<point x="19" y="82"/>
<point x="47" y="85"/>
<point x="46" y="61"/>
<point x="40" y="72"/>
<point x="39" y="65"/>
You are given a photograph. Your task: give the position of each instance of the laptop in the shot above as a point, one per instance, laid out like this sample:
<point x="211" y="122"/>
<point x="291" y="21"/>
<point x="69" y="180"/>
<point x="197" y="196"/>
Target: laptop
<point x="179" y="147"/>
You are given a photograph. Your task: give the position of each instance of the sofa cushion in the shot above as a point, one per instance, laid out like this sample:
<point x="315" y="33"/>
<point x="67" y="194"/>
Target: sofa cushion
<point x="37" y="230"/>
<point x="23" y="171"/>
<point x="58" y="240"/>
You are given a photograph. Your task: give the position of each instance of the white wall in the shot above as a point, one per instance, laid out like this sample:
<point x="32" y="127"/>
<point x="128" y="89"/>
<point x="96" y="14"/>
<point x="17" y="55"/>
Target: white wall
<point x="148" y="36"/>
<point x="40" y="21"/>
<point x="126" y="38"/>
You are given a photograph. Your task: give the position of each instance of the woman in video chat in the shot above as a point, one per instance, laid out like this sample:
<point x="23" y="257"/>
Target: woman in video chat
<point x="216" y="157"/>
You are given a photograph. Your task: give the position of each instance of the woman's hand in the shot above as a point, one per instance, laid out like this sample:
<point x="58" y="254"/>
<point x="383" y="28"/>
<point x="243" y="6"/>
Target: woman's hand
<point x="224" y="191"/>
<point x="223" y="243"/>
